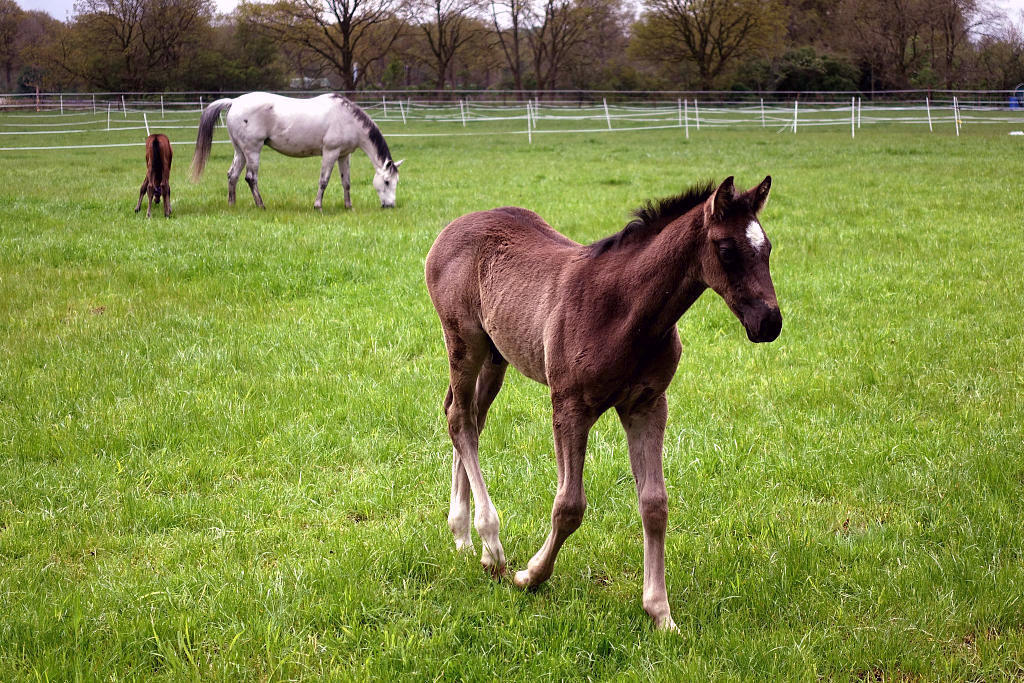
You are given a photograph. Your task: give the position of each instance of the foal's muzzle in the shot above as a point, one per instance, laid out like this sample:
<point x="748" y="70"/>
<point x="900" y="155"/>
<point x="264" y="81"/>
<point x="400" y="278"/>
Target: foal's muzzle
<point x="763" y="323"/>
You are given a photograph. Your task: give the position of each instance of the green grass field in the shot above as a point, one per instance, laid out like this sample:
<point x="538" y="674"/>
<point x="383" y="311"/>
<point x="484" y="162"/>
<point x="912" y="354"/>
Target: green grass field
<point x="223" y="454"/>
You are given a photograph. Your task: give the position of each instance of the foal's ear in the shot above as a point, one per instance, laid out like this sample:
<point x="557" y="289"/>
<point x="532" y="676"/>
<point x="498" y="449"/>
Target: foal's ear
<point x="721" y="199"/>
<point x="761" y="193"/>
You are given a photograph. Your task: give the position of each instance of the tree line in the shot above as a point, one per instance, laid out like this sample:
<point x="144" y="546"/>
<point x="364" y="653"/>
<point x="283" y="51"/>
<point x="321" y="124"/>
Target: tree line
<point x="529" y="45"/>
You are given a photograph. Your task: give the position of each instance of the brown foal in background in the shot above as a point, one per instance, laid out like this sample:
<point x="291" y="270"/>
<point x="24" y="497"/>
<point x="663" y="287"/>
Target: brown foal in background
<point x="158" y="174"/>
<point x="596" y="324"/>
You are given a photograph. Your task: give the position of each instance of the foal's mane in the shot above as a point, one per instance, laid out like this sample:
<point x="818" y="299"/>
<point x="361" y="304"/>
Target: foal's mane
<point x="376" y="138"/>
<point x="650" y="218"/>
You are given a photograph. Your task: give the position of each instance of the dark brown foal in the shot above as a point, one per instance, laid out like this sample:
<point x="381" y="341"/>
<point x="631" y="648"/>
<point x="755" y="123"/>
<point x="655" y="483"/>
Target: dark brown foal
<point x="158" y="174"/>
<point x="597" y="324"/>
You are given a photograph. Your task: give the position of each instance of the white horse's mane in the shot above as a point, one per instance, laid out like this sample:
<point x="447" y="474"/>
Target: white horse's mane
<point x="376" y="137"/>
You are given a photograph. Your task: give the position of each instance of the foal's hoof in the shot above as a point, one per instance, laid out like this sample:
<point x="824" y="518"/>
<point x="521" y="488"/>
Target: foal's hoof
<point x="522" y="580"/>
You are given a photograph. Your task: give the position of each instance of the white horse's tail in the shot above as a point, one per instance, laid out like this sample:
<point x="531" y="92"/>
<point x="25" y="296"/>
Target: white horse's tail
<point x="204" y="138"/>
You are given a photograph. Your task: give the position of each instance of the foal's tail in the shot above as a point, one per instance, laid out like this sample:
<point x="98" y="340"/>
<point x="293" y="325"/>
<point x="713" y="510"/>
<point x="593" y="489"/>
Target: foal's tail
<point x="157" y="164"/>
<point x="204" y="138"/>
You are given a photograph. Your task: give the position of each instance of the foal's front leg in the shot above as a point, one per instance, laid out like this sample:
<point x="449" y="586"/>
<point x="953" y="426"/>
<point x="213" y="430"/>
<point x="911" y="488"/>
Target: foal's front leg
<point x="645" y="434"/>
<point x="572" y="423"/>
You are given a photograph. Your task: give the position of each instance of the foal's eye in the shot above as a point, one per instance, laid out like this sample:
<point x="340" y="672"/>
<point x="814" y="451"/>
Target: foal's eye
<point x="727" y="252"/>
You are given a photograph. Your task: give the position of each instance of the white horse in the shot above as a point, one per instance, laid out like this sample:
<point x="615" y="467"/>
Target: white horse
<point x="329" y="125"/>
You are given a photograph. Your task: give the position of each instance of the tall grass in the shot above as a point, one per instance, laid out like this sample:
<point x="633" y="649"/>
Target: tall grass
<point x="223" y="453"/>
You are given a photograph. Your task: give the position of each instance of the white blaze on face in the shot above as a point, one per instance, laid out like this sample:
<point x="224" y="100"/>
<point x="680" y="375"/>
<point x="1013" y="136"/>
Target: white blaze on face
<point x="755" y="233"/>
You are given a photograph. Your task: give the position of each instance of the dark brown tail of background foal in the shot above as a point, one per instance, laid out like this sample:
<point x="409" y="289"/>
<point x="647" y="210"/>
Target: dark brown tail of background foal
<point x="156" y="169"/>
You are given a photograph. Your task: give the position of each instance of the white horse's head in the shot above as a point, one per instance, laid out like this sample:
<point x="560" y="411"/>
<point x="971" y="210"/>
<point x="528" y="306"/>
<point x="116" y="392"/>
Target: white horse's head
<point x="385" y="181"/>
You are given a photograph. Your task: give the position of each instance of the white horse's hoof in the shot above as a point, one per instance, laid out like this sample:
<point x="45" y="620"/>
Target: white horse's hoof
<point x="666" y="625"/>
<point x="495" y="570"/>
<point x="463" y="545"/>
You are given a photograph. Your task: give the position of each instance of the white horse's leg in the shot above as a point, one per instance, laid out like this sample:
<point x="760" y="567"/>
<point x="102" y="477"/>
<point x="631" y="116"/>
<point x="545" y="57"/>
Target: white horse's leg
<point x="343" y="170"/>
<point x="645" y="432"/>
<point x="326" y="166"/>
<point x="237" y="164"/>
<point x="252" y="173"/>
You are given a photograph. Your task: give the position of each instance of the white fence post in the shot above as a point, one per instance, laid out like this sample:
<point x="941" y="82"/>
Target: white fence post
<point x="696" y="112"/>
<point x="384" y="99"/>
<point x="462" y="110"/>
<point x="686" y="117"/>
<point x="145" y="120"/>
<point x="94" y="104"/>
<point x="796" y="107"/>
<point x="108" y="115"/>
<point x="928" y="108"/>
<point x="124" y="107"/>
<point x="529" y="123"/>
<point x="402" y="110"/>
<point x="62" y="103"/>
<point x="762" y="112"/>
<point x="679" y="106"/>
<point x="853" y="117"/>
<point x="860" y="109"/>
<point x="956" y="116"/>
<point x="162" y="115"/>
<point x="607" y="116"/>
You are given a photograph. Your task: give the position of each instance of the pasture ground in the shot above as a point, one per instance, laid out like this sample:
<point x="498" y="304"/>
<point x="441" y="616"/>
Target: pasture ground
<point x="222" y="453"/>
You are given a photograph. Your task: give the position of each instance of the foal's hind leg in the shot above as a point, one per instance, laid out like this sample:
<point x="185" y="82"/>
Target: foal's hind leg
<point x="142" y="193"/>
<point x="572" y="423"/>
<point x="645" y="432"/>
<point x="166" y="191"/>
<point x="466" y="360"/>
<point x="488" y="383"/>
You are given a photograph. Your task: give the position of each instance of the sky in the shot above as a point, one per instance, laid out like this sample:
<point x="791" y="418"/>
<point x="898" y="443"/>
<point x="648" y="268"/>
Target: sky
<point x="62" y="9"/>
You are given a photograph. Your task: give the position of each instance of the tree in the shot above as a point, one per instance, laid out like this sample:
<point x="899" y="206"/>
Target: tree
<point x="350" y="36"/>
<point x="447" y="26"/>
<point x="559" y="30"/>
<point x="41" y="44"/>
<point x="10" y="17"/>
<point x="712" y="35"/>
<point x="509" y="19"/>
<point x="952" y="23"/>
<point x="134" y="44"/>
<point x="884" y="35"/>
<point x="600" y="60"/>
